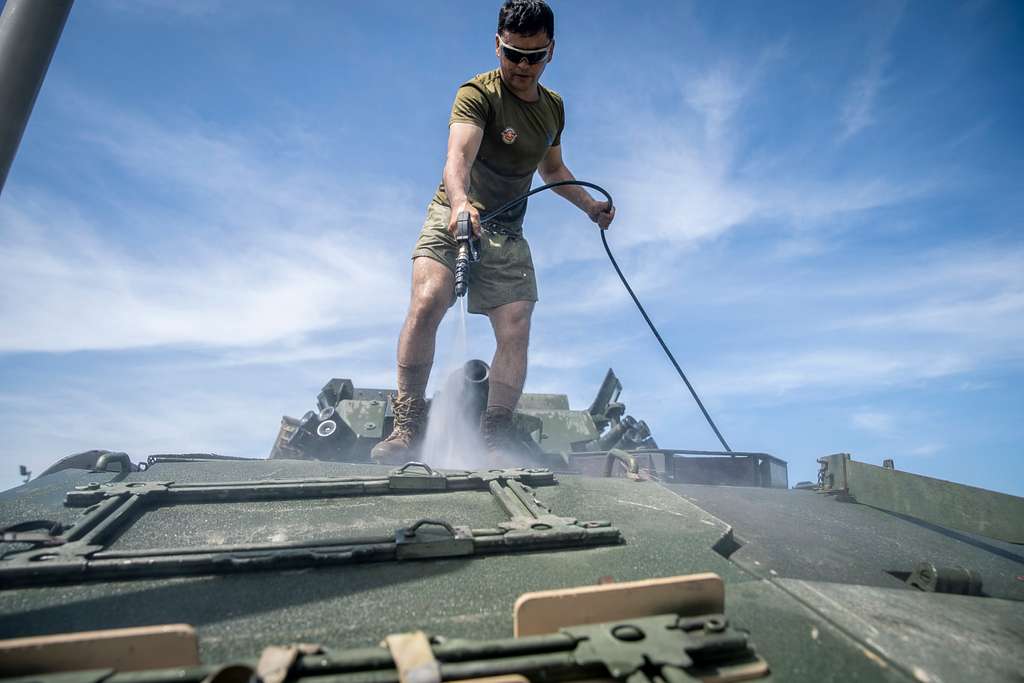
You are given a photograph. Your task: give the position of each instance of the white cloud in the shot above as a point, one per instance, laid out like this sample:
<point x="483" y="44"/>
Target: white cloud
<point x="873" y="422"/>
<point x="858" y="108"/>
<point x="291" y="354"/>
<point x="680" y="187"/>
<point x="785" y="329"/>
<point x="963" y="267"/>
<point x="257" y="249"/>
<point x="974" y="294"/>
<point x="846" y="370"/>
<point x="991" y="317"/>
<point x="972" y="385"/>
<point x="926" y="450"/>
<point x="554" y="350"/>
<point x="142" y="419"/>
<point x="715" y="95"/>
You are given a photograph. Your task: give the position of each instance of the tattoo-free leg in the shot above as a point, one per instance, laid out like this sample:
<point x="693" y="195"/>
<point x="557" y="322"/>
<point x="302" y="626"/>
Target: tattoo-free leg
<point x="433" y="290"/>
<point x="511" y="324"/>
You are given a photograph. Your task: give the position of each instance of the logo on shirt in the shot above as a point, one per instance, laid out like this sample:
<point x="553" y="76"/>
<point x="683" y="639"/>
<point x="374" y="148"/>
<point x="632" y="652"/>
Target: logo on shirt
<point x="509" y="135"/>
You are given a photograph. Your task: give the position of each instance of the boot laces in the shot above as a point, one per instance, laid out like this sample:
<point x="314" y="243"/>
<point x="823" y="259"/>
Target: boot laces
<point x="408" y="414"/>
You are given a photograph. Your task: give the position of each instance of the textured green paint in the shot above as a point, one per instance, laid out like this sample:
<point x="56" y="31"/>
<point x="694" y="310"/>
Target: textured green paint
<point x="956" y="506"/>
<point x="564" y="427"/>
<point x="836" y="632"/>
<point x="798" y="643"/>
<point x="356" y="605"/>
<point x="929" y="636"/>
<point x="528" y="402"/>
<point x="365" y="418"/>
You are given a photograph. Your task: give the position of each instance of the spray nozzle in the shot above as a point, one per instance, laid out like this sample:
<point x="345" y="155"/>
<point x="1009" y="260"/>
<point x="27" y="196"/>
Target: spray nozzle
<point x="468" y="252"/>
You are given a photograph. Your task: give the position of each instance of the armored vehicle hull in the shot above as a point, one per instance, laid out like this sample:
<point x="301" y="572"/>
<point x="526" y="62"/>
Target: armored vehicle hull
<point x="254" y="553"/>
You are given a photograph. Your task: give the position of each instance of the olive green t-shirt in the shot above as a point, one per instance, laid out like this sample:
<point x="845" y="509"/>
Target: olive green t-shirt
<point x="517" y="135"/>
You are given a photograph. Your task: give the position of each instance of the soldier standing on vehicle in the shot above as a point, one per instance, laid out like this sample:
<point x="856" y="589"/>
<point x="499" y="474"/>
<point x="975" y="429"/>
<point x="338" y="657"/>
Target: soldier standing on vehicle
<point x="504" y="126"/>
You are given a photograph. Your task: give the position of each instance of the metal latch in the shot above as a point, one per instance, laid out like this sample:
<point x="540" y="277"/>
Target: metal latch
<point x="677" y="648"/>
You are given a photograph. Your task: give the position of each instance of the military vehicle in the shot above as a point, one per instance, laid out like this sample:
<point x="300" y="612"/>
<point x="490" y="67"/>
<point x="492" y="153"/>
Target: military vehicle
<point x="348" y="421"/>
<point x="600" y="555"/>
<point x="603" y="556"/>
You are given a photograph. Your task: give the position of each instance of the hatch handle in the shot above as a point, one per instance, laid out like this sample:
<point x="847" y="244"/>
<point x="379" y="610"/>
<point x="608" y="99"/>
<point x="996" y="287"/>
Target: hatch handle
<point x="415" y="463"/>
<point x="411" y="531"/>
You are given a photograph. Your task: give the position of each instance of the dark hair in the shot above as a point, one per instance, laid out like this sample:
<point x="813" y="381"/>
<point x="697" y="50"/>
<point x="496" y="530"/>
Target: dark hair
<point x="526" y="17"/>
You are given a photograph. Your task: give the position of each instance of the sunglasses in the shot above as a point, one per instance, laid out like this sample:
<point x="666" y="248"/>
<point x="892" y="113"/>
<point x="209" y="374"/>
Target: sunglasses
<point x="515" y="55"/>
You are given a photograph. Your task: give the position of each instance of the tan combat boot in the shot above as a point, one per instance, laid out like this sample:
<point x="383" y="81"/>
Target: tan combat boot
<point x="405" y="437"/>
<point x="498" y="430"/>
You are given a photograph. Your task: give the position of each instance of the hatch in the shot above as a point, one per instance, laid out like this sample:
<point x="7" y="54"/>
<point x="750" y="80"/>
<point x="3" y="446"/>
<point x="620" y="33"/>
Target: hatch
<point x="146" y="529"/>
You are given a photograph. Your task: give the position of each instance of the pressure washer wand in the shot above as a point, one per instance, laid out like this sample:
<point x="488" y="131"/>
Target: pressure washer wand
<point x="468" y="252"/>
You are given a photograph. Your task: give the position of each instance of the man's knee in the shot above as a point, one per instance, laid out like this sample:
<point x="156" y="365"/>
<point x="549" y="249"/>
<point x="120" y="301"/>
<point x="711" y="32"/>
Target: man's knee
<point x="512" y="325"/>
<point x="428" y="306"/>
<point x="433" y="292"/>
<point x="516" y="332"/>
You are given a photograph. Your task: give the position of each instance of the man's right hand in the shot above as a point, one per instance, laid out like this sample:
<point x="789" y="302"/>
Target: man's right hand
<point x="474" y="217"/>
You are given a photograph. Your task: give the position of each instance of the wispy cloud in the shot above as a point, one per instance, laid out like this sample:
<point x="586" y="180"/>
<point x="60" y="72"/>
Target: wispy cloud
<point x="991" y="317"/>
<point x="973" y="293"/>
<point x="873" y="422"/>
<point x="257" y="250"/>
<point x="858" y="108"/>
<point x="847" y="370"/>
<point x="866" y="326"/>
<point x="690" y="187"/>
<point x="927" y="450"/>
<point x="143" y="418"/>
<point x="715" y="95"/>
<point x="303" y="352"/>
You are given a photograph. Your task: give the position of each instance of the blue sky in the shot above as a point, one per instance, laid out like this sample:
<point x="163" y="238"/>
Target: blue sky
<point x="819" y="203"/>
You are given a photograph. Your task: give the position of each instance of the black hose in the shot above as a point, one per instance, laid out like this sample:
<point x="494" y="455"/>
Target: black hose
<point x="582" y="183"/>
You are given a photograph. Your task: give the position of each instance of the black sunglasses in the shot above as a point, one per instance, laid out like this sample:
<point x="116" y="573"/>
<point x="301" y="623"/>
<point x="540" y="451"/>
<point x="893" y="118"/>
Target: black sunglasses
<point x="515" y="55"/>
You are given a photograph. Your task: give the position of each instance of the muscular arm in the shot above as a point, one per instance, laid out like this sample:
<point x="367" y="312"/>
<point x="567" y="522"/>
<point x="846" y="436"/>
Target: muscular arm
<point x="463" y="145"/>
<point x="552" y="169"/>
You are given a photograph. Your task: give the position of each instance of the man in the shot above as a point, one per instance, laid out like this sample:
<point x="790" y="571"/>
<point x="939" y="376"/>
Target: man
<point x="504" y="126"/>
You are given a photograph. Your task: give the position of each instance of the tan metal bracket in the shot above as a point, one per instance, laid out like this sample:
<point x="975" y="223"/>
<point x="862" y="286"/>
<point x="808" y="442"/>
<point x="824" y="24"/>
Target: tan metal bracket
<point x="548" y="611"/>
<point x="123" y="649"/>
<point x="413" y="657"/>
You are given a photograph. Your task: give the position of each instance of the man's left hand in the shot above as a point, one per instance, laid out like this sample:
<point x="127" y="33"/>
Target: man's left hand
<point x="602" y="213"/>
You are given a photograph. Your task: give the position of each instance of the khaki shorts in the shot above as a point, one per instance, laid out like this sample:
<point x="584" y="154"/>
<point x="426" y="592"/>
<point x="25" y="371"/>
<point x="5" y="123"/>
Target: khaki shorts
<point x="503" y="274"/>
